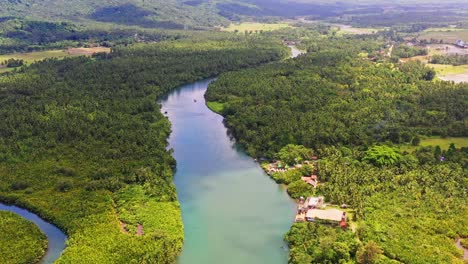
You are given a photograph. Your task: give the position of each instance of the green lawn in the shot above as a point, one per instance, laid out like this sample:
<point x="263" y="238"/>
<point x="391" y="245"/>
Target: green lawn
<point x="252" y="26"/>
<point x="443" y="69"/>
<point x="215" y="106"/>
<point x="443" y="143"/>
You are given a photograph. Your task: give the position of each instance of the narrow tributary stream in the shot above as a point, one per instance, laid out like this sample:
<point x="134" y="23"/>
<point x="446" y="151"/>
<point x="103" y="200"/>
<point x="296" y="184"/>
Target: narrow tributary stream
<point x="56" y="239"/>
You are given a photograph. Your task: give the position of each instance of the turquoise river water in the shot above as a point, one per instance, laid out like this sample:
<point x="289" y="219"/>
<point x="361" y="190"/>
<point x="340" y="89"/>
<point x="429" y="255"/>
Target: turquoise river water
<point x="232" y="211"/>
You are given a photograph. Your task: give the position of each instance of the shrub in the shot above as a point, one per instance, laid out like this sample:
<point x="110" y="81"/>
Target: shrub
<point x="300" y="188"/>
<point x="16" y="186"/>
<point x="64" y="186"/>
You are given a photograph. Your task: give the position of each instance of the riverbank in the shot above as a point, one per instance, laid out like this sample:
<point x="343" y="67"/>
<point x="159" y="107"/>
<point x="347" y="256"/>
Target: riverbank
<point x="461" y="247"/>
<point x="21" y="241"/>
<point x="99" y="158"/>
<point x="224" y="218"/>
<point x="50" y="240"/>
<point x="275" y="105"/>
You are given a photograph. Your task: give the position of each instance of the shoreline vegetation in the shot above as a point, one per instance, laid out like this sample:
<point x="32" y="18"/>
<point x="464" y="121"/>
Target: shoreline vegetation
<point x="96" y="156"/>
<point x="21" y="241"/>
<point x="84" y="145"/>
<point x="314" y="101"/>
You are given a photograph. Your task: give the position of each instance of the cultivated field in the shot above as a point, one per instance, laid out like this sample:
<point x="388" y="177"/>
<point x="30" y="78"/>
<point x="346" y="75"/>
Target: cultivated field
<point x="443" y="143"/>
<point x="449" y="36"/>
<point x="31" y="57"/>
<point x="254" y="27"/>
<point x="444" y="72"/>
<point x="347" y="29"/>
<point x="87" y="51"/>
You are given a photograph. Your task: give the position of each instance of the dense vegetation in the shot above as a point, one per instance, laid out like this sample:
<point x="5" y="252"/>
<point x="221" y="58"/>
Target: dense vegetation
<point x="455" y="60"/>
<point x="82" y="143"/>
<point x="333" y="96"/>
<point x="19" y="35"/>
<point x="21" y="242"/>
<point x="403" y="51"/>
<point x="355" y="114"/>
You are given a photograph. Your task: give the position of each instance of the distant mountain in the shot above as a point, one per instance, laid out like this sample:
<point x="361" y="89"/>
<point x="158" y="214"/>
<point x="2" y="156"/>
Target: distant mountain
<point x="173" y="14"/>
<point x="178" y="14"/>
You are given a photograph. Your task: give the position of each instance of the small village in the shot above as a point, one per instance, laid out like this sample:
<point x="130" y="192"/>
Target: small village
<point x="313" y="208"/>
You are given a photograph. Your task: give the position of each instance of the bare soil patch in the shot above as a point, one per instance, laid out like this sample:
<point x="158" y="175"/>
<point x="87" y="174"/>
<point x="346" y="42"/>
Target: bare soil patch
<point x="447" y="49"/>
<point x="123" y="227"/>
<point x="87" y="51"/>
<point x="140" y="231"/>
<point x="465" y="251"/>
<point x="457" y="78"/>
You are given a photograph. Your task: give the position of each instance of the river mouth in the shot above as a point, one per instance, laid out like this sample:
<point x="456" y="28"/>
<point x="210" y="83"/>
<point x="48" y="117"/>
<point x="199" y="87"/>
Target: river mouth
<point x="232" y="211"/>
<point x="56" y="239"/>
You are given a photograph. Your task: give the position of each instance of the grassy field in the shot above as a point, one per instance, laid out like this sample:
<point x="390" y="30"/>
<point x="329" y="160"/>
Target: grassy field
<point x="346" y="29"/>
<point x="444" y="72"/>
<point x="31" y="57"/>
<point x="254" y="27"/>
<point x="443" y="69"/>
<point x="443" y="29"/>
<point x="446" y="36"/>
<point x="215" y="106"/>
<point x="451" y="73"/>
<point x="443" y="143"/>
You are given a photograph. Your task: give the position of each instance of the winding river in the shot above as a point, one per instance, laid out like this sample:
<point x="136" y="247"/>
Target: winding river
<point x="232" y="211"/>
<point x="56" y="239"/>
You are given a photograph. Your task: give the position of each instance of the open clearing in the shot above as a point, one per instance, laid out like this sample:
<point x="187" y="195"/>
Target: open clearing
<point x="87" y="51"/>
<point x="450" y="36"/>
<point x="457" y="78"/>
<point x="31" y="57"/>
<point x="347" y="29"/>
<point x="255" y="27"/>
<point x="443" y="29"/>
<point x="457" y="74"/>
<point x="443" y="143"/>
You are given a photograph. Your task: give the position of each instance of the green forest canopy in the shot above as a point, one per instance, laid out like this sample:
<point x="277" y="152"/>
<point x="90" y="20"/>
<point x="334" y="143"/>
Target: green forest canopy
<point x="83" y="144"/>
<point x="355" y="113"/>
<point x="21" y="241"/>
